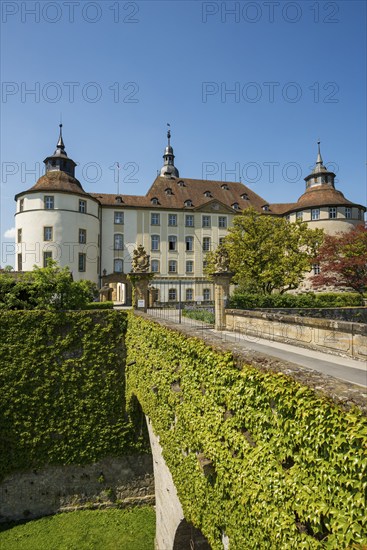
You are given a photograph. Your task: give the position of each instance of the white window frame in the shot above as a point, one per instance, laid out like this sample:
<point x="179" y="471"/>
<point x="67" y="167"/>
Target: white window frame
<point x="172" y="243"/>
<point x="155" y="218"/>
<point x="189" y="220"/>
<point x="172" y="220"/>
<point x="223" y="222"/>
<point x="189" y="243"/>
<point x="206" y="221"/>
<point x="82" y="206"/>
<point x="48" y="233"/>
<point x="315" y="214"/>
<point x="155" y="266"/>
<point x="118" y="241"/>
<point x="49" y="202"/>
<point x="155" y="242"/>
<point x="118" y="218"/>
<point x="207" y="244"/>
<point x="172" y="266"/>
<point x="189" y="266"/>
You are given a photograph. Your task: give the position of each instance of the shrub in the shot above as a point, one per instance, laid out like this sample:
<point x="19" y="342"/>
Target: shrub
<point x="306" y="300"/>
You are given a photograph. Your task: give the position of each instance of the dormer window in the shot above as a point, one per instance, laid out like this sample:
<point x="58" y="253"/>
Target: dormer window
<point x="208" y="194"/>
<point x="154" y="200"/>
<point x="265" y="207"/>
<point x="119" y="200"/>
<point x="235" y="206"/>
<point x="244" y="196"/>
<point x="168" y="191"/>
<point x="188" y="202"/>
<point x="225" y="187"/>
<point x="181" y="183"/>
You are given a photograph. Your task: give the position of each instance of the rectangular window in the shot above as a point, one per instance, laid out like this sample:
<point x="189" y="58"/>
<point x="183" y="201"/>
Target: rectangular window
<point x="46" y="257"/>
<point x="172" y="266"/>
<point x="19" y="235"/>
<point x="189" y="220"/>
<point x="172" y="242"/>
<point x="172" y="219"/>
<point x="118" y="242"/>
<point x="49" y="202"/>
<point x="360" y="215"/>
<point x="299" y="216"/>
<point x="20" y="262"/>
<point x="189" y="241"/>
<point x="119" y="218"/>
<point x="47" y="233"/>
<point x="348" y="212"/>
<point x="81" y="262"/>
<point x="332" y="212"/>
<point x="118" y="265"/>
<point x="315" y="214"/>
<point x="82" y="206"/>
<point x="189" y="294"/>
<point x="221" y="241"/>
<point x="316" y="269"/>
<point x="155" y="266"/>
<point x="206" y="221"/>
<point x="155" y="219"/>
<point x="222" y="222"/>
<point x="172" y="294"/>
<point x="21" y="208"/>
<point x="82" y="236"/>
<point x="206" y="293"/>
<point x="206" y="244"/>
<point x="189" y="266"/>
<point x="155" y="240"/>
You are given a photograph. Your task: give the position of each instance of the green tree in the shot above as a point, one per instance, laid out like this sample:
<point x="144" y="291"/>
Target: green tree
<point x="268" y="254"/>
<point x="50" y="287"/>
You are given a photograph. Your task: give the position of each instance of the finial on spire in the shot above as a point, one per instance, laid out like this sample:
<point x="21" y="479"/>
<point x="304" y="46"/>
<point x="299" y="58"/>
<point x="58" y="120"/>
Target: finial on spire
<point x="60" y="143"/>
<point x="319" y="157"/>
<point x="169" y="133"/>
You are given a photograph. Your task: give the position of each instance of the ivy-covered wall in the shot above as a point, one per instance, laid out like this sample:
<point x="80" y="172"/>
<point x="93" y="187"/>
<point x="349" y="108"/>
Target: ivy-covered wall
<point x="254" y="455"/>
<point x="62" y="396"/>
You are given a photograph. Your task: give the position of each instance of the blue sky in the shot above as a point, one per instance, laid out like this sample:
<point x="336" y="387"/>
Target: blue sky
<point x="117" y="72"/>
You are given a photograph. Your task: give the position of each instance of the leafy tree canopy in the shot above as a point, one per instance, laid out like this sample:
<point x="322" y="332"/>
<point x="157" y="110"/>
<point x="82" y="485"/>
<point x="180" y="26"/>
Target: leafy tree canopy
<point x="268" y="254"/>
<point x="50" y="287"/>
<point x="343" y="260"/>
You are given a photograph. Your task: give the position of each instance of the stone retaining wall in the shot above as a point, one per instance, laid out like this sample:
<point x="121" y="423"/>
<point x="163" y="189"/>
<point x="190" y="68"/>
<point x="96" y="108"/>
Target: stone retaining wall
<point x="123" y="481"/>
<point x="339" y="337"/>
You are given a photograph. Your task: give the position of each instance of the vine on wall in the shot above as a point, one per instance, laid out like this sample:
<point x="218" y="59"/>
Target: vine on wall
<point x="62" y="381"/>
<point x="253" y="455"/>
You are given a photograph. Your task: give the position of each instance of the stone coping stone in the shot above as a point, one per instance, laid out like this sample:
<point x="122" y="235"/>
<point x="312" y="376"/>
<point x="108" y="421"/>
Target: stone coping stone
<point x="342" y="393"/>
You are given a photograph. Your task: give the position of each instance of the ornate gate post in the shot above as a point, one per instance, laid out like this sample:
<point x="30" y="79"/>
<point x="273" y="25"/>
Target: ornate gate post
<point x="222" y="278"/>
<point x="140" y="278"/>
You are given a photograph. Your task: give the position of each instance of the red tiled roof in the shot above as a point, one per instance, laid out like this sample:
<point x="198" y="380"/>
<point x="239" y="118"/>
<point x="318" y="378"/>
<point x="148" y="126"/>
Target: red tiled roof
<point x="183" y="189"/>
<point x="57" y="181"/>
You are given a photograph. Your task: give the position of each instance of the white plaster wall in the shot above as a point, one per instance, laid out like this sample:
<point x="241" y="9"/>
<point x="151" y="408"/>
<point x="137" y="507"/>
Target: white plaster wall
<point x="66" y="220"/>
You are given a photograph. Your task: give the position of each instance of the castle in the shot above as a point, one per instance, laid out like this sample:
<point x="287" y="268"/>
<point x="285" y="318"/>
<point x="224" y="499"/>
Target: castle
<point x="178" y="221"/>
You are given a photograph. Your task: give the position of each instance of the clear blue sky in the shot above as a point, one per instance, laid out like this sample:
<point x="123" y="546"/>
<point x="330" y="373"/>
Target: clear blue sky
<point x="298" y="71"/>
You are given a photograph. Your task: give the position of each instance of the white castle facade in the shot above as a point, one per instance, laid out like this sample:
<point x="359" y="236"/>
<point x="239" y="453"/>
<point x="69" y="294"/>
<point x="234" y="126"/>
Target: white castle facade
<point x="178" y="221"/>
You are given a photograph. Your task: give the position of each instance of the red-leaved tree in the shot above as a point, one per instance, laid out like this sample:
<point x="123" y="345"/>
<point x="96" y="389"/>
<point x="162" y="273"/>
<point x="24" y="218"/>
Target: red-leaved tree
<point x="343" y="260"/>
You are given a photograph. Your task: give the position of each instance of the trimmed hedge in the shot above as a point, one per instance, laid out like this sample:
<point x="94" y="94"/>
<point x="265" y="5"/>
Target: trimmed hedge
<point x="253" y="454"/>
<point x="306" y="300"/>
<point x="62" y="380"/>
<point x="99" y="305"/>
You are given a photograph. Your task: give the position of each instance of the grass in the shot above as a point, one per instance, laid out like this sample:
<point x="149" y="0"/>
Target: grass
<point x="200" y="315"/>
<point x="111" y="529"/>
